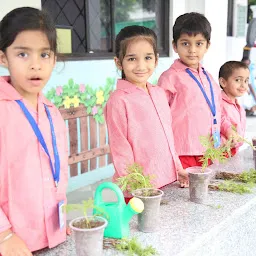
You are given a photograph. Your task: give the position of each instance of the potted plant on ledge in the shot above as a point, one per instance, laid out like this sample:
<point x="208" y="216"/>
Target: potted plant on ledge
<point x="140" y="186"/>
<point x="88" y="230"/>
<point x="199" y="176"/>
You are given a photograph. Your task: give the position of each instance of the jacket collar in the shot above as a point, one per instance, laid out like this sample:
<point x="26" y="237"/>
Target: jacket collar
<point x="128" y="87"/>
<point x="179" y="66"/>
<point x="8" y="92"/>
<point x="227" y="99"/>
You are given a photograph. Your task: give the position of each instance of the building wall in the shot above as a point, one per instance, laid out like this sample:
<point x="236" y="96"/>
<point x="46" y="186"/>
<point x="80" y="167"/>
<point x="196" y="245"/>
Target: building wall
<point x="8" y="5"/>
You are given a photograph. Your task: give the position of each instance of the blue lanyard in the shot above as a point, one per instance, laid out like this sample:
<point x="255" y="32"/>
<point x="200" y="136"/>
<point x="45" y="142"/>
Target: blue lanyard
<point x="56" y="173"/>
<point x="211" y="105"/>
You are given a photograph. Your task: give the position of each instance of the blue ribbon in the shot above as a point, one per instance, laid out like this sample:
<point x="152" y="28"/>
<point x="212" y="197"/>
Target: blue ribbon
<point x="56" y="172"/>
<point x="211" y="105"/>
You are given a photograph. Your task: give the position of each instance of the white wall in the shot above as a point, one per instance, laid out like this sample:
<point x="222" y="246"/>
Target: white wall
<point x="216" y="13"/>
<point x="8" y="5"/>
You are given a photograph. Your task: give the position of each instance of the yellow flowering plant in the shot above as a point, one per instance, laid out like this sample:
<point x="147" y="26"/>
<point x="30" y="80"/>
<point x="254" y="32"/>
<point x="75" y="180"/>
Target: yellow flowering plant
<point x="72" y="95"/>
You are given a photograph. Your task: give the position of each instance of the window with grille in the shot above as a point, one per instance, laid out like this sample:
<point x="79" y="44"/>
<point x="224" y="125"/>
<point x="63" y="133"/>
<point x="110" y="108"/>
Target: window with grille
<point x="94" y="24"/>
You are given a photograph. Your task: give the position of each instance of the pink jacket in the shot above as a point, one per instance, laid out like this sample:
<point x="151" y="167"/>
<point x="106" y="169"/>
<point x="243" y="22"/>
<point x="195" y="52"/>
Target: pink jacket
<point x="139" y="127"/>
<point x="235" y="113"/>
<point x="191" y="115"/>
<point x="28" y="196"/>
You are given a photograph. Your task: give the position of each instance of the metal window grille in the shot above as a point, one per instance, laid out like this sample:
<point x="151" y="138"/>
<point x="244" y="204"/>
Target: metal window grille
<point x="95" y="23"/>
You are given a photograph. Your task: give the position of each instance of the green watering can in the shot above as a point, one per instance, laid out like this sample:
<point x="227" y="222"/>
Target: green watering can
<point x="119" y="214"/>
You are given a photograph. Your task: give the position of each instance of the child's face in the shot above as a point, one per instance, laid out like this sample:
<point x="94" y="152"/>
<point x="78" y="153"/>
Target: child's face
<point x="191" y="49"/>
<point x="237" y="84"/>
<point x="29" y="61"/>
<point x="139" y="62"/>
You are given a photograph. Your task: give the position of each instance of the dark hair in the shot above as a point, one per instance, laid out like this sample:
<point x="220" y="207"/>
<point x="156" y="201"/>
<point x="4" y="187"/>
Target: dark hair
<point x="192" y="23"/>
<point x="130" y="33"/>
<point x="228" y="68"/>
<point x="26" y="18"/>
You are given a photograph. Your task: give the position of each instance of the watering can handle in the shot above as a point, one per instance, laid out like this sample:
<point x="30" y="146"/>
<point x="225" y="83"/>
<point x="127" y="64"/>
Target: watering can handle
<point x="108" y="185"/>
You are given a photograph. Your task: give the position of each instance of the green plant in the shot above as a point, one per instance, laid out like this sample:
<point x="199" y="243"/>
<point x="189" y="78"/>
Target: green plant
<point x="134" y="179"/>
<point x="132" y="247"/>
<point x="235" y="187"/>
<point x="211" y="153"/>
<point x="242" y="139"/>
<point x="247" y="176"/>
<point x="84" y="207"/>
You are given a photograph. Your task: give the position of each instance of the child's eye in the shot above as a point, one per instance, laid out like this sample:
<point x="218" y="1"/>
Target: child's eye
<point x="185" y="44"/>
<point x="148" y="58"/>
<point x="23" y="55"/>
<point x="199" y="44"/>
<point x="45" y="55"/>
<point x="131" y="59"/>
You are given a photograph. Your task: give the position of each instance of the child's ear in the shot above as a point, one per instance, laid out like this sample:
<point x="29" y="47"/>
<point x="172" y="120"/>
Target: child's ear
<point x="174" y="46"/>
<point x="208" y="45"/>
<point x="3" y="59"/>
<point x="222" y="82"/>
<point x="118" y="63"/>
<point x="157" y="58"/>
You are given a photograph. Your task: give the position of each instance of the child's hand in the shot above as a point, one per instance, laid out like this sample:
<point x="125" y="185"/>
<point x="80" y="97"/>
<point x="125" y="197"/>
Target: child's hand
<point x="183" y="178"/>
<point x="14" y="247"/>
<point x="68" y="231"/>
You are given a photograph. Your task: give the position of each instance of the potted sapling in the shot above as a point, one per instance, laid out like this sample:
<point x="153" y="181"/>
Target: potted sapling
<point x="199" y="176"/>
<point x="141" y="186"/>
<point x="88" y="230"/>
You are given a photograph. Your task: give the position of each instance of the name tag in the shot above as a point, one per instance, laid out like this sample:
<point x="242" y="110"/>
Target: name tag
<point x="61" y="214"/>
<point x="216" y="136"/>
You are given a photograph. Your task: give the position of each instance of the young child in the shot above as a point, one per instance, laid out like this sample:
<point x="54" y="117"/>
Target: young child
<point x="137" y="113"/>
<point x="33" y="145"/>
<point x="193" y="96"/>
<point x="234" y="80"/>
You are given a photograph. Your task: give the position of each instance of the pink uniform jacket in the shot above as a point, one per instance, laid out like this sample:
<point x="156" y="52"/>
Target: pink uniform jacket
<point x="191" y="115"/>
<point x="139" y="128"/>
<point x="28" y="196"/>
<point x="235" y="113"/>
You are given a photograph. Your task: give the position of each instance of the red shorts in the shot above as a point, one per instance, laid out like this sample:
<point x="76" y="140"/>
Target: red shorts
<point x="190" y="161"/>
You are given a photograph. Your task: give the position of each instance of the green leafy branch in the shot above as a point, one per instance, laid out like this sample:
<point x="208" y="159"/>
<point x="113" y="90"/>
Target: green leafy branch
<point x="84" y="207"/>
<point x="132" y="247"/>
<point x="134" y="179"/>
<point x="235" y="187"/>
<point x="214" y="154"/>
<point x="242" y="139"/>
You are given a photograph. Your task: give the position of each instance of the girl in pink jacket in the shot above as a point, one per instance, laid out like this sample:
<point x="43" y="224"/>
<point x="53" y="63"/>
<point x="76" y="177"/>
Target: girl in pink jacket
<point x="33" y="144"/>
<point x="137" y="113"/>
<point x="234" y="81"/>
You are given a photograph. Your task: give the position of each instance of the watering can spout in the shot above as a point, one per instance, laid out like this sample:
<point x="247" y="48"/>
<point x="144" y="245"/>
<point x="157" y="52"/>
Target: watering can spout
<point x="134" y="206"/>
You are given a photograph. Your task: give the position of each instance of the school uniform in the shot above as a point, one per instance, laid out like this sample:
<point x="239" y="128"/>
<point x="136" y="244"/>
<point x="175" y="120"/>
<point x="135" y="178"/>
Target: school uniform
<point x="236" y="115"/>
<point x="192" y="116"/>
<point x="139" y="128"/>
<point x="28" y="195"/>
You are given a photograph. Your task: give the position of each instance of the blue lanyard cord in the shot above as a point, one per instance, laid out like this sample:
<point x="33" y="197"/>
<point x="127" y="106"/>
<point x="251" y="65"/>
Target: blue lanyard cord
<point x="56" y="173"/>
<point x="211" y="105"/>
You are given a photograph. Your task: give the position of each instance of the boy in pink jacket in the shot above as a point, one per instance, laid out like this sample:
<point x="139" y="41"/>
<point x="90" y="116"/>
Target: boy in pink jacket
<point x="194" y="97"/>
<point x="234" y="80"/>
